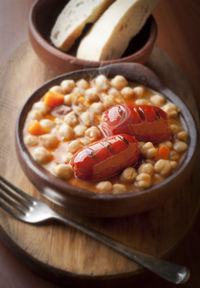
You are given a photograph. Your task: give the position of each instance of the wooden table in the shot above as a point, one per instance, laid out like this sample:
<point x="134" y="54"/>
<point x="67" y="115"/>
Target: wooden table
<point x="178" y="37"/>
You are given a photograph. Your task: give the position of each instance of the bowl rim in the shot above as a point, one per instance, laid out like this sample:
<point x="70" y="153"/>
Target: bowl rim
<point x="68" y="57"/>
<point x="69" y="190"/>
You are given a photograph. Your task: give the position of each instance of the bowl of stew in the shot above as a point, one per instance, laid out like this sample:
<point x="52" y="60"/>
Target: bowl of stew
<point x="106" y="142"/>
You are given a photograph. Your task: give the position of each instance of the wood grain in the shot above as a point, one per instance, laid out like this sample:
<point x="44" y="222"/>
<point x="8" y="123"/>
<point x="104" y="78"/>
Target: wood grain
<point x="64" y="248"/>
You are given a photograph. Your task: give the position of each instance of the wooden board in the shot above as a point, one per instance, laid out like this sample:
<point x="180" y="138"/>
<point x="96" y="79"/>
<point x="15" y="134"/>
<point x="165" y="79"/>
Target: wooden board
<point x="65" y="252"/>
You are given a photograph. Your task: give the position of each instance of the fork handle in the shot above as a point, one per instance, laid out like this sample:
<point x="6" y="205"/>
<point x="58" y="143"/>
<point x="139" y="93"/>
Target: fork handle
<point x="172" y="272"/>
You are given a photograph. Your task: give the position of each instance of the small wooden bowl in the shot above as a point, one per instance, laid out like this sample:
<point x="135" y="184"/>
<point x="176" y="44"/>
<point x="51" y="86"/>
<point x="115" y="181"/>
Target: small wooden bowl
<point x="108" y="205"/>
<point x="42" y="17"/>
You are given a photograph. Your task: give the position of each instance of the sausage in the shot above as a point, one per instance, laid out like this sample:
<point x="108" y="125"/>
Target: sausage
<point x="145" y="122"/>
<point x="106" y="157"/>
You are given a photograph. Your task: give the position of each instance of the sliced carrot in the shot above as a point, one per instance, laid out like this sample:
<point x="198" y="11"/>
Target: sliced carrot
<point x="37" y="129"/>
<point x="163" y="152"/>
<point x="53" y="99"/>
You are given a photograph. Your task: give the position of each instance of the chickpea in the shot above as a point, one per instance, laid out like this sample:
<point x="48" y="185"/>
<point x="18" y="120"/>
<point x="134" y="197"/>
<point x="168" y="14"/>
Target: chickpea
<point x="97" y="108"/>
<point x="68" y="99"/>
<point x="163" y="167"/>
<point x="118" y="82"/>
<point x="102" y="82"/>
<point x="147" y="145"/>
<point x="41" y="155"/>
<point x="114" y="92"/>
<point x="85" y="141"/>
<point x="173" y="164"/>
<point x="49" y="141"/>
<point x="67" y="85"/>
<point x="127" y="93"/>
<point x="167" y="144"/>
<point x="143" y="180"/>
<point x="67" y="157"/>
<point x="119" y="100"/>
<point x="82" y="84"/>
<point x="79" y="130"/>
<point x="74" y="146"/>
<point x="104" y="186"/>
<point x="47" y="123"/>
<point x="71" y="119"/>
<point x="173" y="155"/>
<point x="58" y="121"/>
<point x="119" y="188"/>
<point x="41" y="107"/>
<point x="128" y="175"/>
<point x="86" y="118"/>
<point x="31" y="140"/>
<point x="157" y="100"/>
<point x="109" y="101"/>
<point x="77" y="92"/>
<point x="175" y="128"/>
<point x="149" y="161"/>
<point x="63" y="171"/>
<point x="141" y="102"/>
<point x="54" y="131"/>
<point x="102" y="96"/>
<point x="180" y="146"/>
<point x="56" y="88"/>
<point x="80" y="101"/>
<point x="93" y="133"/>
<point x="77" y="96"/>
<point x="78" y="109"/>
<point x="157" y="178"/>
<point x="91" y="94"/>
<point x="146" y="168"/>
<point x="66" y="132"/>
<point x="171" y="109"/>
<point x="148" y="150"/>
<point x="139" y="91"/>
<point x="182" y="135"/>
<point x="34" y="115"/>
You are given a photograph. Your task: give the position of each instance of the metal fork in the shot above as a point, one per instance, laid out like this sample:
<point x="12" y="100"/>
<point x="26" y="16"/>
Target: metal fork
<point x="30" y="210"/>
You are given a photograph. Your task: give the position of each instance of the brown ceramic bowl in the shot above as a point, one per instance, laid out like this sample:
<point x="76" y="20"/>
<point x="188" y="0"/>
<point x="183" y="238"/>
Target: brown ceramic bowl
<point x="42" y="17"/>
<point x="107" y="205"/>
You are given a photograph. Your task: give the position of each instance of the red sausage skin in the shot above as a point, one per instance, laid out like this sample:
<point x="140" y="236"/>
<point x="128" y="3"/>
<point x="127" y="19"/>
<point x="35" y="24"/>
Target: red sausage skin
<point x="106" y="157"/>
<point x="145" y="122"/>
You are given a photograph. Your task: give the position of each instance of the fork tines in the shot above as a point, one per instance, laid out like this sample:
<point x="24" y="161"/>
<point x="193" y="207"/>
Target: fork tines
<point x="13" y="197"/>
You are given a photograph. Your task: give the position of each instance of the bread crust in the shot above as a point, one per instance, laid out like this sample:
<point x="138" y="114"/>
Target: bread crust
<point x="72" y="20"/>
<point x="110" y="35"/>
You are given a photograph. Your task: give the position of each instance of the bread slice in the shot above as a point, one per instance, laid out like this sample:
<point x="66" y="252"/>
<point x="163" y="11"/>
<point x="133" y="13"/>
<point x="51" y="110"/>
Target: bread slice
<point x="72" y="20"/>
<point x="110" y="35"/>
